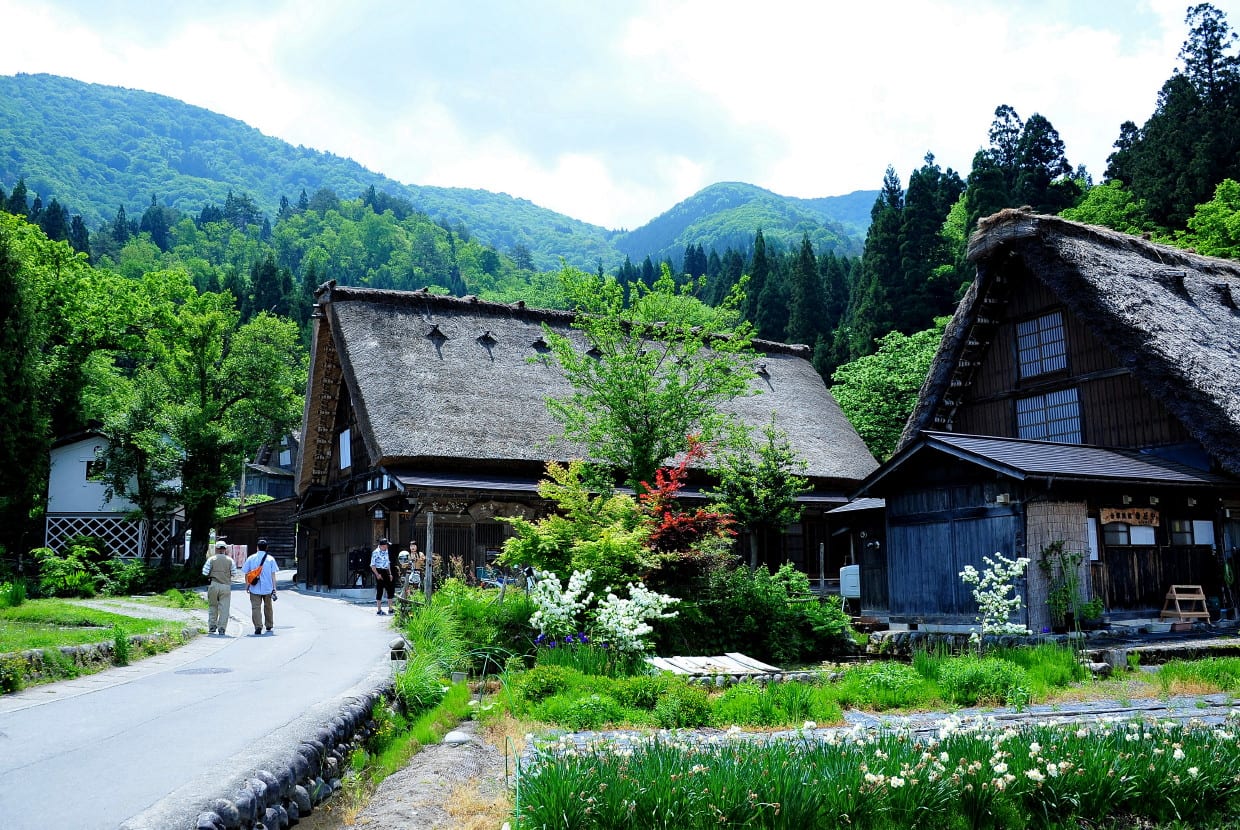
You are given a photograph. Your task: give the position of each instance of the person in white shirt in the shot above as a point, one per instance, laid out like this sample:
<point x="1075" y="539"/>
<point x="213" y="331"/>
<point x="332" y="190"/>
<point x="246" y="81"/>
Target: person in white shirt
<point x="221" y="569"/>
<point x="263" y="590"/>
<point x="381" y="566"/>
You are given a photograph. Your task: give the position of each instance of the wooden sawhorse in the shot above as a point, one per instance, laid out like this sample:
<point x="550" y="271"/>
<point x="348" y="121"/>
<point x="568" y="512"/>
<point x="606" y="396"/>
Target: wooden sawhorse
<point x="1186" y="603"/>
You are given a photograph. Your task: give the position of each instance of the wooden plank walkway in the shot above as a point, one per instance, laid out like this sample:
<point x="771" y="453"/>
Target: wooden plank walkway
<point x="732" y="663"/>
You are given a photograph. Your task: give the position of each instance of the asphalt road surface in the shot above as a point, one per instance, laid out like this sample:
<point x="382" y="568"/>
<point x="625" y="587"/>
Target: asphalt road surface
<point x="90" y="753"/>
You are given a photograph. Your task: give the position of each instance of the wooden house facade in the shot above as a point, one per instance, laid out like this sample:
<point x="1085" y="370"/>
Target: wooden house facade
<point x="1086" y="396"/>
<point x="427" y="410"/>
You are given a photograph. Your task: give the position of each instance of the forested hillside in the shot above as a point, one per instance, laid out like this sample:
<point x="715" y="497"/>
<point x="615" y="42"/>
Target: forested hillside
<point x="727" y="214"/>
<point x="100" y="148"/>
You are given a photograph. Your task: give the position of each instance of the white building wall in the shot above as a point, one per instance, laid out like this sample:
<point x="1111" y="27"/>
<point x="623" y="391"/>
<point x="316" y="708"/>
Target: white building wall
<point x="69" y="491"/>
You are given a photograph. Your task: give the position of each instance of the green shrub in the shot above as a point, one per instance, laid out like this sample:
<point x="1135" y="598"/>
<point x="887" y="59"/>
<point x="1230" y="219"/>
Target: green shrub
<point x="969" y="680"/>
<point x="682" y="706"/>
<point x="579" y="713"/>
<point x="12" y="674"/>
<point x="1048" y="666"/>
<point x="76" y="573"/>
<point x="12" y="594"/>
<point x="884" y="685"/>
<point x="57" y="665"/>
<point x="769" y="616"/>
<point x="643" y="691"/>
<point x="124" y="577"/>
<point x="544" y="681"/>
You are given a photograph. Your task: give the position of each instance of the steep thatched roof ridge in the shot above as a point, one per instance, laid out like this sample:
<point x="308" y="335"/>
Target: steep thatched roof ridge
<point x="447" y="381"/>
<point x="425" y="299"/>
<point x="1169" y="316"/>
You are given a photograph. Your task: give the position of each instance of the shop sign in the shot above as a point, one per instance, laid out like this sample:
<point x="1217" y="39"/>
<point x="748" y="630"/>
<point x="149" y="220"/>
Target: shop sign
<point x="1143" y="516"/>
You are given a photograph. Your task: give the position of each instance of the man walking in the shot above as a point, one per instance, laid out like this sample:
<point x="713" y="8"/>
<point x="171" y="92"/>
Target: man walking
<point x="381" y="566"/>
<point x="220" y="569"/>
<point x="260" y="579"/>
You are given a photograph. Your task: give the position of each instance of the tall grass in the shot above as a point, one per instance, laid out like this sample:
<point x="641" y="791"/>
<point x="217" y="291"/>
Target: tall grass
<point x="970" y="775"/>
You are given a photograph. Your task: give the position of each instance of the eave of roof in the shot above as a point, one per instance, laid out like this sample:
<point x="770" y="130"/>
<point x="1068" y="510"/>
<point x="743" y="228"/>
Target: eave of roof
<point x="1044" y="460"/>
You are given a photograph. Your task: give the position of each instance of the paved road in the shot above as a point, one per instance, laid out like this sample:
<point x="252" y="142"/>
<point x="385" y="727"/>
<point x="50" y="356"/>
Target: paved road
<point x="92" y="752"/>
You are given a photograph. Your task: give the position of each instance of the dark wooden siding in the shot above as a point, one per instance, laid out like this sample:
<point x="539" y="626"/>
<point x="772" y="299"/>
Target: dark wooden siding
<point x="1116" y="411"/>
<point x="1137" y="578"/>
<point x="932" y="534"/>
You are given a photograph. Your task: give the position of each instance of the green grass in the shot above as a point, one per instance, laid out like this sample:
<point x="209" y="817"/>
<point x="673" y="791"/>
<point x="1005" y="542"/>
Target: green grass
<point x="51" y="623"/>
<point x="971" y="775"/>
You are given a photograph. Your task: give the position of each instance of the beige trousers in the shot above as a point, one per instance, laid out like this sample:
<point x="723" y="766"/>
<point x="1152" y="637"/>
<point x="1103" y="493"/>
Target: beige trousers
<point x="260" y="607"/>
<point x="219" y="600"/>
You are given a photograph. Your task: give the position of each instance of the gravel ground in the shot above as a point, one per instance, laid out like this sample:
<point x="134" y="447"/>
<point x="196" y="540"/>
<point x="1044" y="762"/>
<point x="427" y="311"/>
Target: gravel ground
<point x="447" y="785"/>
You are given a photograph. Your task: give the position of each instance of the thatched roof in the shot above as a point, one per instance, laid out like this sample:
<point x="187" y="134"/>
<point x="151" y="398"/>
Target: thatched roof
<point x="1168" y="315"/>
<point x="445" y="382"/>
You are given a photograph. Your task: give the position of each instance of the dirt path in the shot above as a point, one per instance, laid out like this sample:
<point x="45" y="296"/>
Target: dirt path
<point x="459" y="783"/>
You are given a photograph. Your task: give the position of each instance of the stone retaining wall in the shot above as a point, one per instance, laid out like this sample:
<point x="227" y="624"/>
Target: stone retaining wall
<point x="92" y="657"/>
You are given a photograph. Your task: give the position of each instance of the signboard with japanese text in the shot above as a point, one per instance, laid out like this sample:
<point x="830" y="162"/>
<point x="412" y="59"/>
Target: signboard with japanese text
<point x="1142" y="516"/>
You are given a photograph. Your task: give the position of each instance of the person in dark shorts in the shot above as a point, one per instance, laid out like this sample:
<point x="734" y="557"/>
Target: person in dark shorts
<point x="381" y="566"/>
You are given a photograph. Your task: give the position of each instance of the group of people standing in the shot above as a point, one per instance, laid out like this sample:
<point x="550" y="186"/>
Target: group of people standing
<point x="221" y="570"/>
<point x="387" y="571"/>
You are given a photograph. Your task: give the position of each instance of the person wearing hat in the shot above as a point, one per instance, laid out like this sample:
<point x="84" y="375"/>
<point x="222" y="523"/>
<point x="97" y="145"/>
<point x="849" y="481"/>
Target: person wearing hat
<point x="262" y="590"/>
<point x="220" y="569"/>
<point x="381" y="566"/>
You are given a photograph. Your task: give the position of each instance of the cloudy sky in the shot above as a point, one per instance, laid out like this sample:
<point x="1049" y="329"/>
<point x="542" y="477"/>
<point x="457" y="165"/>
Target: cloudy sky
<point x="612" y="112"/>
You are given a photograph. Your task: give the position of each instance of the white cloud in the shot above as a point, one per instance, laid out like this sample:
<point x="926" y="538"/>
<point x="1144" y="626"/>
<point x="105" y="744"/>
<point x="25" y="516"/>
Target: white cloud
<point x="613" y="113"/>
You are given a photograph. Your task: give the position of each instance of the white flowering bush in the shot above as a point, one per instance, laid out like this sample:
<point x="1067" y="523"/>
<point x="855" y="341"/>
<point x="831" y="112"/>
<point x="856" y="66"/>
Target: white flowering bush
<point x="996" y="600"/>
<point x="559" y="608"/>
<point x="621" y="624"/>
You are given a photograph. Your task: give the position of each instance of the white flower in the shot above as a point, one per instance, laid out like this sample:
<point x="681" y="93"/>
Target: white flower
<point x="1035" y="775"/>
<point x="897" y="781"/>
<point x="1194" y="771"/>
<point x="1178" y="754"/>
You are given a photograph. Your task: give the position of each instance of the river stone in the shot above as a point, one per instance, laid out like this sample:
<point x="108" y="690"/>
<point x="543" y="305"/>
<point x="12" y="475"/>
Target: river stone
<point x="228" y="813"/>
<point x="301" y="797"/>
<point x="209" y="821"/>
<point x="247" y="806"/>
<point x="455" y="737"/>
<point x="271" y="819"/>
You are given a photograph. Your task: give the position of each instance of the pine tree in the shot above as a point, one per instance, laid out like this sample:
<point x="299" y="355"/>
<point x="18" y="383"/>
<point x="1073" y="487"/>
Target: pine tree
<point x="54" y="222"/>
<point x="759" y="268"/>
<point x="805" y="300"/>
<point x="17" y="203"/>
<point x="79" y="237"/>
<point x="120" y="227"/>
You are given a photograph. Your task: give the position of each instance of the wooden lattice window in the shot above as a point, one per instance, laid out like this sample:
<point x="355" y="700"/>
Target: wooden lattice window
<point x="1055" y="416"/>
<point x="1041" y="346"/>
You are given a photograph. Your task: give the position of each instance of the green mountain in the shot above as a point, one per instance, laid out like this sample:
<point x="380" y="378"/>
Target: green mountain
<point x="727" y="214"/>
<point x="95" y="148"/>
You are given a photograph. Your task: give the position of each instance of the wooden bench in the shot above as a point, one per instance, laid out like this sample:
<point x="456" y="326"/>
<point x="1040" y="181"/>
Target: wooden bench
<point x="1185" y="603"/>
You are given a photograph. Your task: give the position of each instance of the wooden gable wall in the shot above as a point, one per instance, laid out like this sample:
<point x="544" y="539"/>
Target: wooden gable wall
<point x="1116" y="411"/>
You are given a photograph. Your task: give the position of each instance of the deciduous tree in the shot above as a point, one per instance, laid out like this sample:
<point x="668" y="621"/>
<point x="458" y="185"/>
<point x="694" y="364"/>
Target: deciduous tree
<point x="646" y="384"/>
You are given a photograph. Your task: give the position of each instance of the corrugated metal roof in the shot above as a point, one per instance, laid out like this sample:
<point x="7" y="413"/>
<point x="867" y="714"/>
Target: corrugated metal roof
<point x="476" y="482"/>
<point x="868" y="503"/>
<point x="1045" y="458"/>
